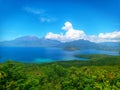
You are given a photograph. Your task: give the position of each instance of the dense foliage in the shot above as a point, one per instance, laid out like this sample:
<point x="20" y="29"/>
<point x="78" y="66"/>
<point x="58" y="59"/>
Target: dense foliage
<point x="101" y="72"/>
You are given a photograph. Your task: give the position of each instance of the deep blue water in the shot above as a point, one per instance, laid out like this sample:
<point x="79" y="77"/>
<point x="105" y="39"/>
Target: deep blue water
<point x="38" y="54"/>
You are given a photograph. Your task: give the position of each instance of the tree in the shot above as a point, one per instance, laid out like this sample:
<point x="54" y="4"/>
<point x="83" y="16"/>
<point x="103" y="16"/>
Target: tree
<point x="119" y="49"/>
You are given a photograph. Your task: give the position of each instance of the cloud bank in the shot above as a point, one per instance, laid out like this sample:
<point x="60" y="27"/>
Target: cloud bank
<point x="73" y="34"/>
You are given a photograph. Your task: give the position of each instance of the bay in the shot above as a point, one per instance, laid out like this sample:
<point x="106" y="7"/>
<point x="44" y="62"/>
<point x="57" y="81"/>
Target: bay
<point x="41" y="54"/>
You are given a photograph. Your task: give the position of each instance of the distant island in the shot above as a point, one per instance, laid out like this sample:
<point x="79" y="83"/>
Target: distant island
<point x="70" y="48"/>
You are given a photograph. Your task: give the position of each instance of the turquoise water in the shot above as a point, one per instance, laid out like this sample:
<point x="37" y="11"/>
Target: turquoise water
<point x="40" y="55"/>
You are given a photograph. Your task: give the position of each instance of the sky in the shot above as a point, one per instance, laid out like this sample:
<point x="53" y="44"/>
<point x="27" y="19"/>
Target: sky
<point x="63" y="20"/>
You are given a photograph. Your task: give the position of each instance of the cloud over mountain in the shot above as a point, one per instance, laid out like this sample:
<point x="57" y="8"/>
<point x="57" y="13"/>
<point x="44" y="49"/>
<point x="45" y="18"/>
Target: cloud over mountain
<point x="112" y="35"/>
<point x="73" y="34"/>
<point x="70" y="35"/>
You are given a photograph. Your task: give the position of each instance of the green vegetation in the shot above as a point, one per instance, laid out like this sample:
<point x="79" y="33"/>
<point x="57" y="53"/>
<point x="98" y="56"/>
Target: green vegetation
<point x="119" y="49"/>
<point x="101" y="72"/>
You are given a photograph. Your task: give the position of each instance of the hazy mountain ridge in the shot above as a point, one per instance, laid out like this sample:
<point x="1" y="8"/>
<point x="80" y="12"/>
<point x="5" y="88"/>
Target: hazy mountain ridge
<point x="30" y="41"/>
<point x="33" y="41"/>
<point x="78" y="44"/>
<point x="111" y="44"/>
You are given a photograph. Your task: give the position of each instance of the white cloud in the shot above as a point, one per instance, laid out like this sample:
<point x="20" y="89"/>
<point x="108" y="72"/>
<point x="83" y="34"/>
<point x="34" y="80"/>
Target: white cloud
<point x="112" y="35"/>
<point x="34" y="10"/>
<point x="106" y="37"/>
<point x="41" y="14"/>
<point x="68" y="26"/>
<point x="70" y="35"/>
<point x="51" y="35"/>
<point x="73" y="34"/>
<point x="46" y="19"/>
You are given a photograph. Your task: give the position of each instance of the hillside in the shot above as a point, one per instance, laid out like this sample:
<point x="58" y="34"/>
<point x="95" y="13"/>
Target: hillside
<point x="96" y="74"/>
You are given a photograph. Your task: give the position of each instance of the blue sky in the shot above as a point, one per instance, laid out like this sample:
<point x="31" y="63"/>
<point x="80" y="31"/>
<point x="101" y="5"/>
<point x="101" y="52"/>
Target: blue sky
<point x="39" y="17"/>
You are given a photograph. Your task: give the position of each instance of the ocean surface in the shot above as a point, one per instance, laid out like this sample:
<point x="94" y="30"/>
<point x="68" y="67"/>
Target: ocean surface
<point x="40" y="54"/>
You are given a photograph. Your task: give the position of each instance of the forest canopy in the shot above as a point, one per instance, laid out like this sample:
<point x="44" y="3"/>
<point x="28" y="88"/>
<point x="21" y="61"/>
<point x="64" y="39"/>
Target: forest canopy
<point x="101" y="73"/>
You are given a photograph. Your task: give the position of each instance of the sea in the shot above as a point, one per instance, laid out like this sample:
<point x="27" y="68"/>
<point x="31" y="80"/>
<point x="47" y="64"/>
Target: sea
<point x="45" y="54"/>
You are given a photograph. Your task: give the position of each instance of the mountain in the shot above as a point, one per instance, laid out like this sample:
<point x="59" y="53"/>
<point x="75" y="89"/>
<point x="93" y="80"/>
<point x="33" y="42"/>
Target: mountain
<point x="33" y="41"/>
<point x="27" y="38"/>
<point x="111" y="44"/>
<point x="30" y="41"/>
<point x="78" y="45"/>
<point x="85" y="44"/>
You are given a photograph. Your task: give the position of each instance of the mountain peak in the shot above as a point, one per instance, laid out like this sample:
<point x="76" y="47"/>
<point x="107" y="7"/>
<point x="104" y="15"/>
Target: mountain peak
<point x="27" y="38"/>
